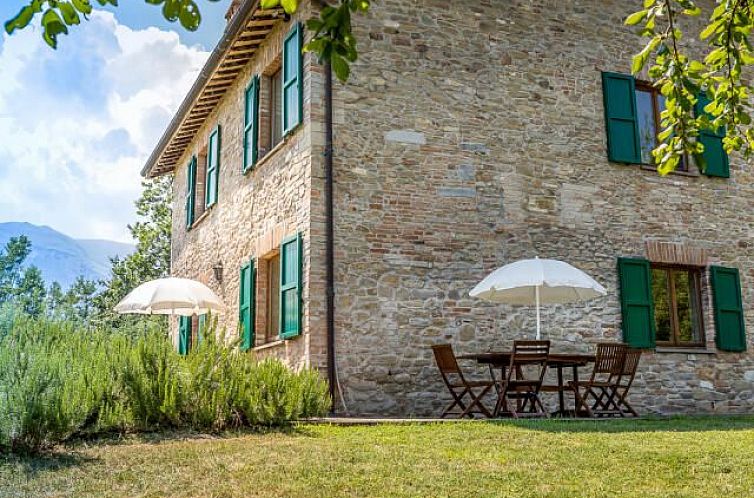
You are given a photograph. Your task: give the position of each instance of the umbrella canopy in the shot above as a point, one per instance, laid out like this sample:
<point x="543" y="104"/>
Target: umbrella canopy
<point x="170" y="296"/>
<point x="537" y="281"/>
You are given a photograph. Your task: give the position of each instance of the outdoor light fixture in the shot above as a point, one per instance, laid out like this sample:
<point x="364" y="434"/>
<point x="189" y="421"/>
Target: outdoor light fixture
<point x="218" y="271"/>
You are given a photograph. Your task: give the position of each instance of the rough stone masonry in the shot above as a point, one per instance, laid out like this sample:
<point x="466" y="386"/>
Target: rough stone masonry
<point x="470" y="134"/>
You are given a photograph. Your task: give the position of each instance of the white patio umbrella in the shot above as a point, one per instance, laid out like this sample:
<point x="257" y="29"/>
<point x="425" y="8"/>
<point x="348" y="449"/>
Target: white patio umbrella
<point x="170" y="296"/>
<point x="536" y="282"/>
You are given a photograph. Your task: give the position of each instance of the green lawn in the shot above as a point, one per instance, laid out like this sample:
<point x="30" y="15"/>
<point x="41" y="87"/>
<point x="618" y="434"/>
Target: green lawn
<point x="704" y="457"/>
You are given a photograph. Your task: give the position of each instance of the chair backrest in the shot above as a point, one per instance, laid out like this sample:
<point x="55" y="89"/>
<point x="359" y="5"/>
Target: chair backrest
<point x="531" y="356"/>
<point x="446" y="359"/>
<point x="610" y="358"/>
<point x="631" y="363"/>
<point x="530" y="351"/>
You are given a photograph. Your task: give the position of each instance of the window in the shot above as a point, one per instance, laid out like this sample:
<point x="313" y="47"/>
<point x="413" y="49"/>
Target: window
<point x="267" y="300"/>
<point x="661" y="304"/>
<point x="275" y="111"/>
<point x="270" y="295"/>
<point x="649" y="106"/>
<point x="269" y="108"/>
<point x="632" y="122"/>
<point x="272" y="317"/>
<point x="677" y="303"/>
<point x="201" y="178"/>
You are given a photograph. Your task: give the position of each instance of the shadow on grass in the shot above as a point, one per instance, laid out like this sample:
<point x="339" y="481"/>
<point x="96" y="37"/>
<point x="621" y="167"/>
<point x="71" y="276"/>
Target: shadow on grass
<point x="166" y="436"/>
<point x="26" y="466"/>
<point x="706" y="423"/>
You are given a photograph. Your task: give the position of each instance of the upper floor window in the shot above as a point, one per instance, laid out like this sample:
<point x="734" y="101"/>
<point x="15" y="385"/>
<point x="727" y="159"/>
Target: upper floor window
<point x="275" y="123"/>
<point x="274" y="102"/>
<point x="632" y="121"/>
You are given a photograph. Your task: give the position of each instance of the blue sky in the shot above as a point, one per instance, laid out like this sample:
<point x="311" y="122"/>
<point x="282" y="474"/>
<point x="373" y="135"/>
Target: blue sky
<point x="77" y="123"/>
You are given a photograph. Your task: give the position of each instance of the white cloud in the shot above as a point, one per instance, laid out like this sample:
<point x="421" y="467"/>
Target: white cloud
<point x="77" y="124"/>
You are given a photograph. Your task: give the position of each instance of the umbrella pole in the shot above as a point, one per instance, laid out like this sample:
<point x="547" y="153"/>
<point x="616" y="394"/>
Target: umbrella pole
<point x="536" y="294"/>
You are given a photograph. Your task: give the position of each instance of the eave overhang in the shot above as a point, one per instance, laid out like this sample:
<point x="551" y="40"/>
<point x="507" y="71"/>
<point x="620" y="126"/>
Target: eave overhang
<point x="244" y="34"/>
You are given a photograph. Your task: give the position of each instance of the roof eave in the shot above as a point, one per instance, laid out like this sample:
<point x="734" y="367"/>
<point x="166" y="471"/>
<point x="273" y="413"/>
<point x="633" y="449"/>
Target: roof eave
<point x="232" y="30"/>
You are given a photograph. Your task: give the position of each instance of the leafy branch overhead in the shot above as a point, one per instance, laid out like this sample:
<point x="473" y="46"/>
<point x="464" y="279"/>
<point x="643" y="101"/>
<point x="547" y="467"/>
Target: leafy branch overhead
<point x="701" y="95"/>
<point x="332" y="41"/>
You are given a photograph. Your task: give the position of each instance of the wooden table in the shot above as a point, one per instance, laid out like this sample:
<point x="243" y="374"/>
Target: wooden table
<point x="558" y="361"/>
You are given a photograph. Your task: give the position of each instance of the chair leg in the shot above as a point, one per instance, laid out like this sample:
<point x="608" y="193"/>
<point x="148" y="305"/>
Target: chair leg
<point x="624" y="405"/>
<point x="476" y="401"/>
<point x="457" y="401"/>
<point x="581" y="400"/>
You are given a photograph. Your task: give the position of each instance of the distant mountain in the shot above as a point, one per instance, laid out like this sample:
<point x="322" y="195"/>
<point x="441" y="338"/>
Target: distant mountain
<point x="62" y="258"/>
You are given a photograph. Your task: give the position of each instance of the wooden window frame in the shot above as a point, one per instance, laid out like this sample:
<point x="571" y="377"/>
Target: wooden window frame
<point x="646" y="86"/>
<point x="275" y="123"/>
<point x="272" y="321"/>
<point x="695" y="272"/>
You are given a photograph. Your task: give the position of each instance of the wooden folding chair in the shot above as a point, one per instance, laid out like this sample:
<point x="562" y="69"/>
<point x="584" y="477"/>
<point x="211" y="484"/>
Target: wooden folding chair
<point x="460" y="388"/>
<point x="523" y="381"/>
<point x="628" y="373"/>
<point x="603" y="382"/>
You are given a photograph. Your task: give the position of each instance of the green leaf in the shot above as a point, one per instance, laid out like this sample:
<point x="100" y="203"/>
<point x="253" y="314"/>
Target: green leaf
<point x="340" y="67"/>
<point x="189" y="16"/>
<point x="290" y="6"/>
<point x="269" y="4"/>
<point x="636" y="18"/>
<point x="53" y="26"/>
<point x="70" y="16"/>
<point x="83" y="6"/>
<point x="20" y="21"/>
<point x="171" y="10"/>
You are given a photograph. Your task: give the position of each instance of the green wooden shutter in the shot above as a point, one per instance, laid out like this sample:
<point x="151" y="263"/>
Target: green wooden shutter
<point x="715" y="158"/>
<point x="637" y="306"/>
<point x="201" y="328"/>
<point x="730" y="332"/>
<point x="213" y="166"/>
<point x="246" y="305"/>
<point x="621" y="123"/>
<point x="251" y="125"/>
<point x="290" y="286"/>
<point x="190" y="192"/>
<point x="184" y="334"/>
<point x="293" y="67"/>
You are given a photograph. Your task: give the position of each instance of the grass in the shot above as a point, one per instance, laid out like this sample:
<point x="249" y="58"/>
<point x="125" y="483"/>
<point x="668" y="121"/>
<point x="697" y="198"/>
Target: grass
<point x="680" y="457"/>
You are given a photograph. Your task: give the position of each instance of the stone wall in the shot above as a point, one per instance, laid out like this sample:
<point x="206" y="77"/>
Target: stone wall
<point x="256" y="210"/>
<point x="471" y="135"/>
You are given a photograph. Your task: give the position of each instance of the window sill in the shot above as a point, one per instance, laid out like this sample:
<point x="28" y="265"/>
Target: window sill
<point x="682" y="350"/>
<point x="690" y="174"/>
<point x="273" y="151"/>
<point x="269" y="345"/>
<point x="201" y="218"/>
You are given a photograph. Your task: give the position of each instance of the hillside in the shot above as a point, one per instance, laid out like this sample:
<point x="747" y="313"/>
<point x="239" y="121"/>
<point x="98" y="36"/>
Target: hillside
<point x="62" y="258"/>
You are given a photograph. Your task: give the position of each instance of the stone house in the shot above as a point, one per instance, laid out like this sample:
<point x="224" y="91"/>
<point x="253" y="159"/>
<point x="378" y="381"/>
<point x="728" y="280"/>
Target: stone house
<point x="469" y="136"/>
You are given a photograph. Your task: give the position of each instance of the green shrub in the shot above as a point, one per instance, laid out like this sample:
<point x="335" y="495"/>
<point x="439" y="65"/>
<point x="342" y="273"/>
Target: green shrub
<point x="59" y="381"/>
